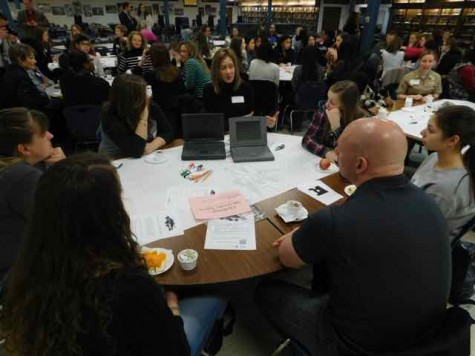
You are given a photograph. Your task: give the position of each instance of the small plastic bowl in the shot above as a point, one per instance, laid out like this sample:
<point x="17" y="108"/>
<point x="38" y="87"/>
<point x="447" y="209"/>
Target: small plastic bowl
<point x="188" y="259"/>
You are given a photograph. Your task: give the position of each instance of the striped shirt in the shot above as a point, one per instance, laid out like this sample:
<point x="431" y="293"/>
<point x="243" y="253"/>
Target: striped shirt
<point x="196" y="77"/>
<point x="131" y="59"/>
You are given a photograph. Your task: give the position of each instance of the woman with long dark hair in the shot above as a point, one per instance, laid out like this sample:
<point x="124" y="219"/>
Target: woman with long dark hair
<point x="448" y="175"/>
<point x="238" y="45"/>
<point x="80" y="286"/>
<point x="450" y="58"/>
<point x="132" y="124"/>
<point x="342" y="107"/>
<point x="283" y="53"/>
<point x="342" y="63"/>
<point x="309" y="71"/>
<point x="167" y="84"/>
<point x="25" y="152"/>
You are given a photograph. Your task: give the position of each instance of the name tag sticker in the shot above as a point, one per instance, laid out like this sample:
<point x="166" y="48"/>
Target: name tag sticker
<point x="237" y="99"/>
<point x="413" y="82"/>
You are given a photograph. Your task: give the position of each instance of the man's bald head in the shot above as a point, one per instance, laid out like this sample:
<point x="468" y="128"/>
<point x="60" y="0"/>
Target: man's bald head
<point x="370" y="148"/>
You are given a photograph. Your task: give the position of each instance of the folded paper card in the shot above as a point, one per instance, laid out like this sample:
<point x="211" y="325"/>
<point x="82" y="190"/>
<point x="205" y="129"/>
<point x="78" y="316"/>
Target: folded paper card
<point x="219" y="205"/>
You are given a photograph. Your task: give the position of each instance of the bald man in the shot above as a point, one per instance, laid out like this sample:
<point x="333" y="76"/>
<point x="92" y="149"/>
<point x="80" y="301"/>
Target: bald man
<point x="385" y="252"/>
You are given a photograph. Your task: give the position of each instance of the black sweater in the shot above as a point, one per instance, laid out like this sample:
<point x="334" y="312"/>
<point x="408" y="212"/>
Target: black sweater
<point x="83" y="88"/>
<point x="17" y="89"/>
<point x="223" y="102"/>
<point x="17" y="186"/>
<point x="165" y="94"/>
<point x="141" y="322"/>
<point x="125" y="139"/>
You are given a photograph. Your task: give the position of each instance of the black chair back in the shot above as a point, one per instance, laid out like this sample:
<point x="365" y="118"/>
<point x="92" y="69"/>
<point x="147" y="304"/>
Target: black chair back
<point x="266" y="97"/>
<point x="82" y="122"/>
<point x="309" y="94"/>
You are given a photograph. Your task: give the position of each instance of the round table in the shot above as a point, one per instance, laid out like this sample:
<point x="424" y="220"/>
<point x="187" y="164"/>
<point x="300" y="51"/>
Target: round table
<point x="145" y="188"/>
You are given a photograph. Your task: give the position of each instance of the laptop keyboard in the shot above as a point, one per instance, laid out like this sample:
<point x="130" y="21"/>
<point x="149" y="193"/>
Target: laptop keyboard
<point x="254" y="151"/>
<point x="203" y="147"/>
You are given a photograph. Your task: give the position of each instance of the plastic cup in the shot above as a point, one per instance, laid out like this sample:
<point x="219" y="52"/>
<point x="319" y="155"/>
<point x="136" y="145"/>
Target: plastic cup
<point x="188" y="259"/>
<point x="408" y="102"/>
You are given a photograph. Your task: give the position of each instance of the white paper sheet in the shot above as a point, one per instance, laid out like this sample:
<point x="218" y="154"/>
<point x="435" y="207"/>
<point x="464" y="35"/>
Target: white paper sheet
<point x="157" y="225"/>
<point x="233" y="233"/>
<point x="178" y="198"/>
<point x="319" y="191"/>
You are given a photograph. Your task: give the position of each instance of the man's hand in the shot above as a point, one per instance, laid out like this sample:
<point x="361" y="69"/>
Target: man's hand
<point x="279" y="241"/>
<point x="417" y="97"/>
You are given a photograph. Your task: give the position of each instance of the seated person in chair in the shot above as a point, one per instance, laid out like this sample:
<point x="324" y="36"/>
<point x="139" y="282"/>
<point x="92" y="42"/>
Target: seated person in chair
<point x="422" y="82"/>
<point x="341" y="108"/>
<point x="227" y="93"/>
<point x="448" y="175"/>
<point x="79" y="86"/>
<point x="132" y="125"/>
<point x="385" y="251"/>
<point x="308" y="71"/>
<point x="25" y="152"/>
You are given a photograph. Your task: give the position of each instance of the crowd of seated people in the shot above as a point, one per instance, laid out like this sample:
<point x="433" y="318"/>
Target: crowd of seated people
<point x="93" y="294"/>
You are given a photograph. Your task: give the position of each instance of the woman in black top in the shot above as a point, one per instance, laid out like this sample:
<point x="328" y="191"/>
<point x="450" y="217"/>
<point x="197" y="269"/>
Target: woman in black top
<point x="238" y="45"/>
<point x="283" y="53"/>
<point x="25" y="150"/>
<point x="227" y="93"/>
<point x="131" y="125"/>
<point x="79" y="86"/>
<point x="167" y="84"/>
<point x="450" y="58"/>
<point x="203" y="41"/>
<point x="80" y="286"/>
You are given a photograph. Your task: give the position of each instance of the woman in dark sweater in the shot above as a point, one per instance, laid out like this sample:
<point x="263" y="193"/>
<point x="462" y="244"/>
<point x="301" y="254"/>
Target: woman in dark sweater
<point x="131" y="126"/>
<point x="25" y="150"/>
<point x="80" y="285"/>
<point x="227" y="93"/>
<point x="283" y="53"/>
<point x="167" y="84"/>
<point x="450" y="58"/>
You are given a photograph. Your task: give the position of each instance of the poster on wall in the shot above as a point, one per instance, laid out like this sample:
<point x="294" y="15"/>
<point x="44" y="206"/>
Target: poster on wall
<point x="58" y="11"/>
<point x="45" y="8"/>
<point x="87" y="10"/>
<point x="98" y="11"/>
<point x="179" y="12"/>
<point x="77" y="8"/>
<point x="69" y="10"/>
<point x="111" y="9"/>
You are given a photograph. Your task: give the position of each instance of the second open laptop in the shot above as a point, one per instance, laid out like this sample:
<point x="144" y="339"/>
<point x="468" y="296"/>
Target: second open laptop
<point x="249" y="139"/>
<point x="203" y="135"/>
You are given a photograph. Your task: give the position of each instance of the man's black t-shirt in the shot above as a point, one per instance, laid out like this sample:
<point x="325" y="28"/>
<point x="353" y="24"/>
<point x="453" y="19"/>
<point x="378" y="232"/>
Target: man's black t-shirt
<point x="388" y="255"/>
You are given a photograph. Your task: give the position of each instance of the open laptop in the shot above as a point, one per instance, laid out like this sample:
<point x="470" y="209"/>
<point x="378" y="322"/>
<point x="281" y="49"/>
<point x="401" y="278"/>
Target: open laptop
<point x="249" y="139"/>
<point x="203" y="135"/>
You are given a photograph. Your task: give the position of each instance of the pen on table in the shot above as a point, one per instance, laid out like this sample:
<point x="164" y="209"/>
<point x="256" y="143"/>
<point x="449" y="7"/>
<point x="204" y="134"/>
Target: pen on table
<point x="206" y="176"/>
<point x="280" y="147"/>
<point x="118" y="166"/>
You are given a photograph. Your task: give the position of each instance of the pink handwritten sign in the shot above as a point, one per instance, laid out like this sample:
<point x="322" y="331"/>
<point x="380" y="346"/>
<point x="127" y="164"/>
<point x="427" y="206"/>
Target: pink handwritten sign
<point x="219" y="205"/>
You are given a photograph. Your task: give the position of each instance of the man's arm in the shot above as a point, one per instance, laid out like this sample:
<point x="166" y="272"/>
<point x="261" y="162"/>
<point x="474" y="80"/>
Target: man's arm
<point x="287" y="255"/>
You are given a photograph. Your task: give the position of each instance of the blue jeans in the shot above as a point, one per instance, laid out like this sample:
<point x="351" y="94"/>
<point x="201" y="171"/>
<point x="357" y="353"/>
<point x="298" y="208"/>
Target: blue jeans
<point x="199" y="315"/>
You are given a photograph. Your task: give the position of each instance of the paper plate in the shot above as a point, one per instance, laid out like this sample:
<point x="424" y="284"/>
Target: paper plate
<point x="288" y="216"/>
<point x="332" y="169"/>
<point x="156" y="158"/>
<point x="166" y="265"/>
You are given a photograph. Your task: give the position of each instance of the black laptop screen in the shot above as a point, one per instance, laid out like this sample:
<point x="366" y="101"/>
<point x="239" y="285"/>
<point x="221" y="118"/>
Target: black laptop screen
<point x="203" y="126"/>
<point x="248" y="130"/>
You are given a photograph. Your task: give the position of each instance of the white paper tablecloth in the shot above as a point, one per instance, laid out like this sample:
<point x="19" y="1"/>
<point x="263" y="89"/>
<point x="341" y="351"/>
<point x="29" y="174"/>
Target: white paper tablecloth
<point x="414" y="119"/>
<point x="145" y="185"/>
